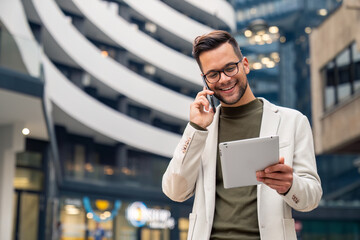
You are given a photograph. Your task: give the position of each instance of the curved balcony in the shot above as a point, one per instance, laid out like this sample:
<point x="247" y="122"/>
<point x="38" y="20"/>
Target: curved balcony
<point x="104" y="120"/>
<point x="107" y="70"/>
<point x="217" y="13"/>
<point x="137" y="42"/>
<point x="28" y="49"/>
<point x="88" y="111"/>
<point x="169" y="19"/>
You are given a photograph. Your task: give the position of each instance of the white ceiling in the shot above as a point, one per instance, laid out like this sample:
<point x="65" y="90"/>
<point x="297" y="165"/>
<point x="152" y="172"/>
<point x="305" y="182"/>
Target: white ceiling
<point x="25" y="109"/>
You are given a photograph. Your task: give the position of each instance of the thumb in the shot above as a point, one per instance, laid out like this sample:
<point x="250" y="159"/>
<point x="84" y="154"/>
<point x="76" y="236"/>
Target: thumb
<point x="281" y="160"/>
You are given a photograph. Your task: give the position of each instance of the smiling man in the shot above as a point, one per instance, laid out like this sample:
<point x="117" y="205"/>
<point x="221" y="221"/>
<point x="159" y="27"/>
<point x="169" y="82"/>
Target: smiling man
<point x="251" y="212"/>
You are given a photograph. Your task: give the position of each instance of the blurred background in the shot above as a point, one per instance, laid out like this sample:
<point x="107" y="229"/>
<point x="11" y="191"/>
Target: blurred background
<point x="94" y="96"/>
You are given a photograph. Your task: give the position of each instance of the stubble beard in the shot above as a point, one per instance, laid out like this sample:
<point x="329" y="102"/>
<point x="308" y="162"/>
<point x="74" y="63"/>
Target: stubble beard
<point x="242" y="89"/>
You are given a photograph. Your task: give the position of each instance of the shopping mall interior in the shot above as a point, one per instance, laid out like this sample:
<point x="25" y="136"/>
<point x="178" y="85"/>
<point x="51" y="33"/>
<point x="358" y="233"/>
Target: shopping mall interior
<point x="82" y="152"/>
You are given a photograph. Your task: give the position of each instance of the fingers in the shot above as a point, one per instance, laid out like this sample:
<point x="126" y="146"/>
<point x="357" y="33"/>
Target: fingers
<point x="201" y="99"/>
<point x="280" y="167"/>
<point x="278" y="176"/>
<point x="204" y="92"/>
<point x="200" y="111"/>
<point x="201" y="102"/>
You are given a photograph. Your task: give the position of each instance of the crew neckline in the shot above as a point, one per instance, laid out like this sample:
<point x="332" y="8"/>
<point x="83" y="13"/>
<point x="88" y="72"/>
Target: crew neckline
<point x="233" y="112"/>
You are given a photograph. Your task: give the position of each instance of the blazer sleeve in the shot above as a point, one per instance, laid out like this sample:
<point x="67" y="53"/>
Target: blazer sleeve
<point x="179" y="179"/>
<point x="305" y="192"/>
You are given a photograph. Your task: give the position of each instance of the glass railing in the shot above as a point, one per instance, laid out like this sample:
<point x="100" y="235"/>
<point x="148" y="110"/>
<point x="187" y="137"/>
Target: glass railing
<point x="19" y="53"/>
<point x="113" y="176"/>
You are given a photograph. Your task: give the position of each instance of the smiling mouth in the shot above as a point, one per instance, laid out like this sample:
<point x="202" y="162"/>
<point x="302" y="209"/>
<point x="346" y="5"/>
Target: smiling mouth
<point x="228" y="88"/>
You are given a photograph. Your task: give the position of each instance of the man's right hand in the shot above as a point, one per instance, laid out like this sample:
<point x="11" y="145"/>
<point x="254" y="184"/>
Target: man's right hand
<point x="200" y="112"/>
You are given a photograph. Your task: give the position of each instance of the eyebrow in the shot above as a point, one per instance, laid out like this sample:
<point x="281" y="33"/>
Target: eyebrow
<point x="214" y="70"/>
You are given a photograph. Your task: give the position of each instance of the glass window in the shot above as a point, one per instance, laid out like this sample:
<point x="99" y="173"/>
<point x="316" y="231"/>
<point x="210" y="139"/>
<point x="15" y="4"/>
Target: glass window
<point x="329" y="73"/>
<point x="356" y="60"/>
<point x="29" y="159"/>
<point x="29" y="216"/>
<point x="79" y="160"/>
<point x="28" y="179"/>
<point x="343" y="65"/>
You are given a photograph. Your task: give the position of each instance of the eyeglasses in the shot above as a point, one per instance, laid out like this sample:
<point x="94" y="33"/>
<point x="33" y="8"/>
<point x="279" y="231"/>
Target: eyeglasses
<point x="230" y="70"/>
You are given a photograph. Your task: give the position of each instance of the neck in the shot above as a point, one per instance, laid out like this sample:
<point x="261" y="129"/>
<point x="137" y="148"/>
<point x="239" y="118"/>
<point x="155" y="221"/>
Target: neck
<point x="246" y="98"/>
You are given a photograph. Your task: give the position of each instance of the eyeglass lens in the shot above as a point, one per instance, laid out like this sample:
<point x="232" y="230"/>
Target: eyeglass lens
<point x="230" y="70"/>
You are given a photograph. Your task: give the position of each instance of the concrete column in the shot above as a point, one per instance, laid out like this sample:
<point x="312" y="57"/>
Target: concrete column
<point x="11" y="142"/>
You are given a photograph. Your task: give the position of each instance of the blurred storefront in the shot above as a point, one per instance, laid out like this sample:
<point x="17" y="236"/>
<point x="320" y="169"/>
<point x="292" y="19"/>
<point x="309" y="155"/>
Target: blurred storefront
<point x="83" y="218"/>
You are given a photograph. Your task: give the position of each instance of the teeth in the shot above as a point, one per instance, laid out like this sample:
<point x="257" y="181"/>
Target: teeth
<point x="225" y="89"/>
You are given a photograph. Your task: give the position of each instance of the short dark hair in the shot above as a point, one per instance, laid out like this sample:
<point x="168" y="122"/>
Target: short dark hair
<point x="213" y="40"/>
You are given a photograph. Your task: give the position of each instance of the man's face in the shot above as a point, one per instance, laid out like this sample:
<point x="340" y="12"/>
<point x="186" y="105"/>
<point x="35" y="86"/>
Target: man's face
<point x="229" y="90"/>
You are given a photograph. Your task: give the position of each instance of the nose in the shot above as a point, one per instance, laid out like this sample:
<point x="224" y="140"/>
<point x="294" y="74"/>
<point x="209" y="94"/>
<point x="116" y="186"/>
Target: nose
<point x="223" y="77"/>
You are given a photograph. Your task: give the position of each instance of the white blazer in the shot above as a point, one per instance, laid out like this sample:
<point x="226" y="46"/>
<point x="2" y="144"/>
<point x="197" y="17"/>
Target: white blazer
<point x="193" y="167"/>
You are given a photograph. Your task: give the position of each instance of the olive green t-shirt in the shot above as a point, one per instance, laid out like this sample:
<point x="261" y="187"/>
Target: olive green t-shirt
<point x="235" y="214"/>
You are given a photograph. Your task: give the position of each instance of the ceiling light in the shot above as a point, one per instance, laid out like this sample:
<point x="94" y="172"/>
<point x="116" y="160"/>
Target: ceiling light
<point x="261" y="32"/>
<point x="248" y="33"/>
<point x="265" y="37"/>
<point x="107" y="214"/>
<point x="71" y="210"/>
<point x="151" y="70"/>
<point x="270" y="64"/>
<point x="25" y="131"/>
<point x="150" y="27"/>
<point x="257" y="38"/>
<point x="257" y="65"/>
<point x="274" y="55"/>
<point x="265" y="60"/>
<point x="104" y="53"/>
<point x="322" y="12"/>
<point x="273" y="29"/>
<point x="282" y="39"/>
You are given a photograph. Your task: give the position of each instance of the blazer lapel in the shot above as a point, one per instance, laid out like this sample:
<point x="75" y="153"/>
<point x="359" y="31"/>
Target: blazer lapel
<point x="269" y="127"/>
<point x="270" y="119"/>
<point x="209" y="166"/>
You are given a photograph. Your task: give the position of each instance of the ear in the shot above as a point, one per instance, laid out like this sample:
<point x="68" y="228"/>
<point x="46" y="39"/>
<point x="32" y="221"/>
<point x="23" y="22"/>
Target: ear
<point x="245" y="63"/>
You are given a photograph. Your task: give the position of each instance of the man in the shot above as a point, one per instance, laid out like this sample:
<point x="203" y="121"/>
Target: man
<point x="253" y="212"/>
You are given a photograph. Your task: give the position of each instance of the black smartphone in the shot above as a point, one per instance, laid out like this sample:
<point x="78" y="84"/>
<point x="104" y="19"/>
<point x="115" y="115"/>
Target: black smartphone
<point x="210" y="98"/>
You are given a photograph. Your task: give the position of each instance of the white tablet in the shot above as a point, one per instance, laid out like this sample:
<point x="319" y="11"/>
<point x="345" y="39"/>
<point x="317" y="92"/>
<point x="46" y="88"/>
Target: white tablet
<point x="241" y="159"/>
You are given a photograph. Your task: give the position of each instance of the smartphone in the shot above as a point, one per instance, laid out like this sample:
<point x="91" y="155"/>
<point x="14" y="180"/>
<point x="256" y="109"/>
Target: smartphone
<point x="210" y="98"/>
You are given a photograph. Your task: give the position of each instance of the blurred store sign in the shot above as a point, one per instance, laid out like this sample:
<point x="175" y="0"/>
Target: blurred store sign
<point x="102" y="205"/>
<point x="73" y="201"/>
<point x="139" y="215"/>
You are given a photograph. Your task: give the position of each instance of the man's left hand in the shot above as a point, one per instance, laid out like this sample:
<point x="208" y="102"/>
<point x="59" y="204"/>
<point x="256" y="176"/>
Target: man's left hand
<point x="278" y="176"/>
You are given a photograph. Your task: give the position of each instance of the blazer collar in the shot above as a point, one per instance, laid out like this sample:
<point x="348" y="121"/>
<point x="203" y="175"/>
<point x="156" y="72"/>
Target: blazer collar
<point x="270" y="119"/>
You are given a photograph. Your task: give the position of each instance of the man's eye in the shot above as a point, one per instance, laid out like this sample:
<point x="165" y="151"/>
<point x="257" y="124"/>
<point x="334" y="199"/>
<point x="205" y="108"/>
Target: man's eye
<point x="230" y="68"/>
<point x="212" y="75"/>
